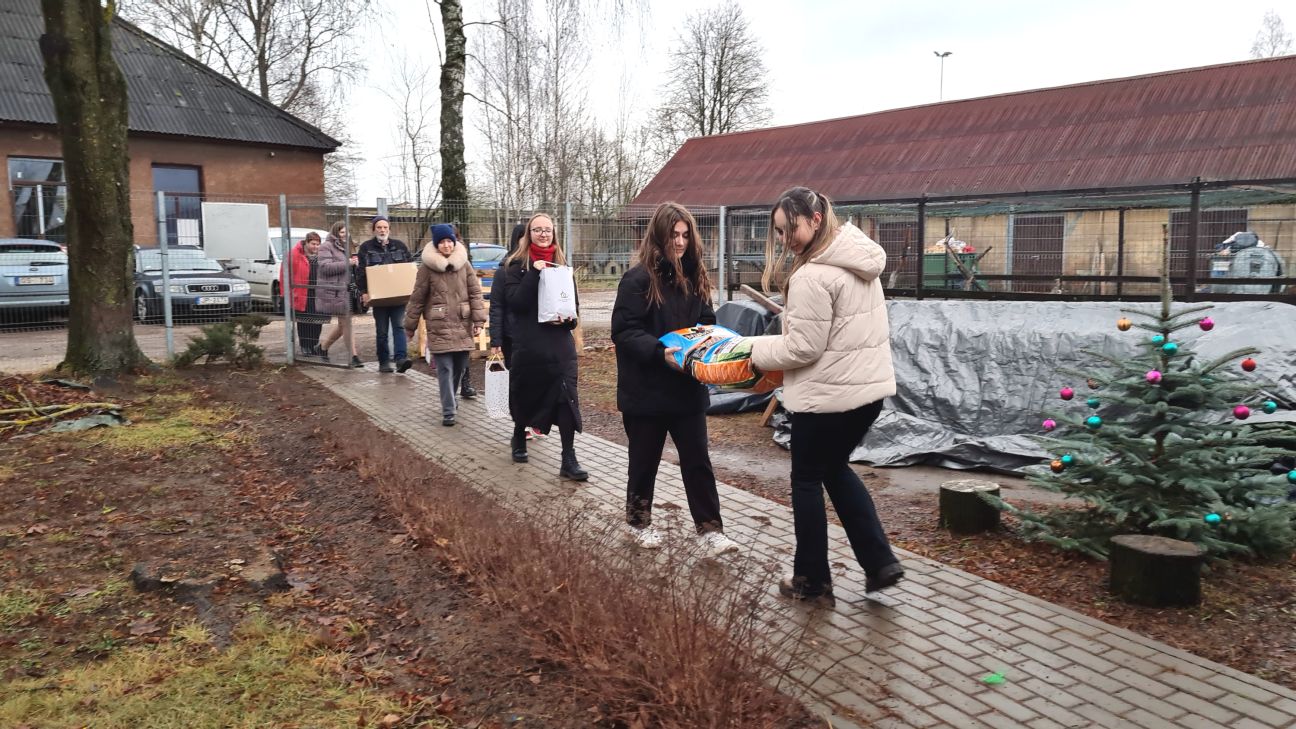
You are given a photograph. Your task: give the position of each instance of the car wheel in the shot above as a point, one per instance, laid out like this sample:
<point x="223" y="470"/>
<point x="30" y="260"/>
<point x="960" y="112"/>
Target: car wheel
<point x="276" y="300"/>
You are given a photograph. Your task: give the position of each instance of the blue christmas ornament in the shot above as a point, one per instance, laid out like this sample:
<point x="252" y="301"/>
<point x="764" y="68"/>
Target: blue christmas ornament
<point x="1269" y="407"/>
<point x="1158" y="339"/>
<point x="1068" y="459"/>
<point x="1212" y="518"/>
<point x="1291" y="477"/>
<point x="1093" y="422"/>
<point x="1169" y="348"/>
<point x="1093" y="402"/>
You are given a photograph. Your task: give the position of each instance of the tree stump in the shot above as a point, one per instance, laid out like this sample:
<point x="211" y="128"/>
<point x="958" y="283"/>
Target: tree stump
<point x="1155" y="571"/>
<point x="962" y="509"/>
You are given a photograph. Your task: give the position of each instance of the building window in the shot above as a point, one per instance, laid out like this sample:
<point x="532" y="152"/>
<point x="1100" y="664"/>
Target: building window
<point x="182" y="197"/>
<point x="39" y="194"/>
<point x="1036" y="250"/>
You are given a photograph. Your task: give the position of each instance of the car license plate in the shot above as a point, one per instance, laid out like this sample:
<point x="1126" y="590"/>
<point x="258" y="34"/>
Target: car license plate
<point x="35" y="280"/>
<point x="212" y="300"/>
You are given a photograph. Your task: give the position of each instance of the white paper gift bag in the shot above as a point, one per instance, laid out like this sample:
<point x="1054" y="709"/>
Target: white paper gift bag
<point x="497" y="390"/>
<point x="557" y="294"/>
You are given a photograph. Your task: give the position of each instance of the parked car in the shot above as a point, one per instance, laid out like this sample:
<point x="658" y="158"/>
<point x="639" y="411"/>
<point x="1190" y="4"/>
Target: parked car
<point x="199" y="285"/>
<point x="33" y="278"/>
<point x="262" y="274"/>
<point x="486" y="258"/>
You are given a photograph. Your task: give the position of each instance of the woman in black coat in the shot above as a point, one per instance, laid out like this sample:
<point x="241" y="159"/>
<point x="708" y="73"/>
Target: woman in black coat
<point x="542" y="380"/>
<point x="667" y="289"/>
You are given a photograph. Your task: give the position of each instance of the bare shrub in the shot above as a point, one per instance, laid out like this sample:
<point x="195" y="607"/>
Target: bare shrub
<point x="660" y="641"/>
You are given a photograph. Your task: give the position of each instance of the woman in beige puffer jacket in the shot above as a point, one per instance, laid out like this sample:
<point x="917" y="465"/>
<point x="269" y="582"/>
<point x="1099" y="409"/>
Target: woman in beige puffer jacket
<point x="448" y="296"/>
<point x="835" y="354"/>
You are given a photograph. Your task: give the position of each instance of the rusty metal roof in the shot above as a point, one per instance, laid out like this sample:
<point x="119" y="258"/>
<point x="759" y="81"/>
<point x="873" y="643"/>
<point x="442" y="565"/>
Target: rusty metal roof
<point x="168" y="92"/>
<point x="1234" y="121"/>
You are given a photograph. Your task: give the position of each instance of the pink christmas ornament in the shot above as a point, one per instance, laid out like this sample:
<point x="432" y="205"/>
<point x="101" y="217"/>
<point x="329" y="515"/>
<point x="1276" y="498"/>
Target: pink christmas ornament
<point x="1050" y="424"/>
<point x="1153" y="376"/>
<point x="1241" y="412"/>
<point x="1066" y="393"/>
<point x="1206" y="324"/>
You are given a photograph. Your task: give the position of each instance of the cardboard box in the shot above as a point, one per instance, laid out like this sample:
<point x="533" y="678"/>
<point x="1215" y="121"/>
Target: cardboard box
<point x="391" y="284"/>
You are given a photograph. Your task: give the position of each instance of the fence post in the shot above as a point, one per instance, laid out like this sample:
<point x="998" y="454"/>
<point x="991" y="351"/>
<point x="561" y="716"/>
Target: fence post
<point x="285" y="266"/>
<point x="922" y="248"/>
<point x="567" y="233"/>
<point x="1194" y="227"/>
<point x="166" y="276"/>
<point x="722" y="278"/>
<point x="1120" y="252"/>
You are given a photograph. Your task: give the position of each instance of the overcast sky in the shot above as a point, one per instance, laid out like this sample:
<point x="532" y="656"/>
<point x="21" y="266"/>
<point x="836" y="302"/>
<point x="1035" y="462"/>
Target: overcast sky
<point x="834" y="58"/>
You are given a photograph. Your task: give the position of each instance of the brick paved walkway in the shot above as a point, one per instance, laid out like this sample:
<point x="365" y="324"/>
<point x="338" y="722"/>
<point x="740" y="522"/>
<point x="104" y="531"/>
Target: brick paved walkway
<point x="910" y="657"/>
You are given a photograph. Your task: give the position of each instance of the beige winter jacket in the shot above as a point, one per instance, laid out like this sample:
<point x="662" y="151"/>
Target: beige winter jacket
<point x="835" y="350"/>
<point x="448" y="295"/>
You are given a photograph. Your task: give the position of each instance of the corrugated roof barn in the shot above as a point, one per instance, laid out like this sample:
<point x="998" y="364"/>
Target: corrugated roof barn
<point x="1234" y="121"/>
<point x="169" y="92"/>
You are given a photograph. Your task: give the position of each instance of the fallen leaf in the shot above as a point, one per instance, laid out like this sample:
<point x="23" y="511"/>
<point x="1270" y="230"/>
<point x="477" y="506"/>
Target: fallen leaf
<point x="80" y="592"/>
<point x="37" y="529"/>
<point x="143" y="626"/>
<point x="389" y="721"/>
<point x="534" y="678"/>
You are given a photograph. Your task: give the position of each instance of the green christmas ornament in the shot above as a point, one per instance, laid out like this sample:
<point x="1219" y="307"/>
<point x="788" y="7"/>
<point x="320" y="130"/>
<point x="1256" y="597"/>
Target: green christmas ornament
<point x="1068" y="459"/>
<point x="1158" y="339"/>
<point x="1093" y="422"/>
<point x="1212" y="518"/>
<point x="1093" y="402"/>
<point x="1169" y="348"/>
<point x="1269" y="406"/>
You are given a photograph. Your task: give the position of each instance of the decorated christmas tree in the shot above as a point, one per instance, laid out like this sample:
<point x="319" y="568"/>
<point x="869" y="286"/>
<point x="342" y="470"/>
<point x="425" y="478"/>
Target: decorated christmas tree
<point x="1157" y="443"/>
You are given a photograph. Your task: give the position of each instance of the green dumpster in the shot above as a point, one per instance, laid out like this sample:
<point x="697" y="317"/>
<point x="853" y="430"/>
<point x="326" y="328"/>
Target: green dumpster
<point x="940" y="271"/>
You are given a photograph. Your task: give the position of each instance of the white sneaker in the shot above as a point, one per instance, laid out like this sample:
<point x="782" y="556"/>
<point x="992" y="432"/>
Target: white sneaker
<point x="715" y="544"/>
<point x="647" y="537"/>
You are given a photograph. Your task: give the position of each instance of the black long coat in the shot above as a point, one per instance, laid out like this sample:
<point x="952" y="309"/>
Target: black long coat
<point x="646" y="385"/>
<point x="543" y="372"/>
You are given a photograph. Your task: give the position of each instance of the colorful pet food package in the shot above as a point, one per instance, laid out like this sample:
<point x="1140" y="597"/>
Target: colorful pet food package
<point x="717" y="356"/>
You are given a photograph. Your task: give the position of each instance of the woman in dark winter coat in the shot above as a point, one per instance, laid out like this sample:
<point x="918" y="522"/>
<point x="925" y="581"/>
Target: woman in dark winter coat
<point x="501" y="343"/>
<point x="667" y="289"/>
<point x="542" y="381"/>
<point x="447" y="295"/>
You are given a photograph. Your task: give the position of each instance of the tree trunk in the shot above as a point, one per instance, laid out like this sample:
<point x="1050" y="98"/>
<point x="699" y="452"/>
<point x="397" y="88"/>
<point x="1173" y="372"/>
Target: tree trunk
<point x="454" y="171"/>
<point x="963" y="511"/>
<point x="89" y="94"/>
<point x="1155" y="571"/>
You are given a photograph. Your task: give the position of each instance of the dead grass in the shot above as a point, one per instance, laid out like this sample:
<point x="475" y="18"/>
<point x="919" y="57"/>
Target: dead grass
<point x="651" y="642"/>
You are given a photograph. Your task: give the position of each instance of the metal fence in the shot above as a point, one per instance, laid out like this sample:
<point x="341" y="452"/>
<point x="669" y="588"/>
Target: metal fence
<point x="1087" y="245"/>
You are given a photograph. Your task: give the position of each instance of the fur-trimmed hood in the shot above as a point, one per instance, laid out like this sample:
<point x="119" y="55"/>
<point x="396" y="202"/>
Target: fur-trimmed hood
<point x="456" y="261"/>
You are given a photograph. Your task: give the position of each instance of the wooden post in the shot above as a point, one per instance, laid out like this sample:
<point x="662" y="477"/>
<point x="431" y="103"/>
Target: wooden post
<point x="963" y="511"/>
<point x="1155" y="571"/>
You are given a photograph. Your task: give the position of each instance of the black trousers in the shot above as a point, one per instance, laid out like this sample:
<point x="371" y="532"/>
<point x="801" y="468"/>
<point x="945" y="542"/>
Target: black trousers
<point x="821" y="448"/>
<point x="647" y="436"/>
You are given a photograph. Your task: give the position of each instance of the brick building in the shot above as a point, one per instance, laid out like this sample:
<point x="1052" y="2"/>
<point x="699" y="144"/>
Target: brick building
<point x="193" y="134"/>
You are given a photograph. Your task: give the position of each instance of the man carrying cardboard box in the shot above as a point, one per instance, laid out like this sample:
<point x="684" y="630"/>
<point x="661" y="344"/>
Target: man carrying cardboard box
<point x="387" y="299"/>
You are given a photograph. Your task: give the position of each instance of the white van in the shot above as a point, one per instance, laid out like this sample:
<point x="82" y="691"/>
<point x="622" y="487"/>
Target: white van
<point x="262" y="274"/>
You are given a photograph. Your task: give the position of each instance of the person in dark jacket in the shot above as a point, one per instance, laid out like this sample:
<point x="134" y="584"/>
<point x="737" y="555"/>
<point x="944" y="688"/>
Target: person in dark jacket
<point x="667" y="289"/>
<point x="542" y="381"/>
<point x="378" y="251"/>
<point x="500" y="342"/>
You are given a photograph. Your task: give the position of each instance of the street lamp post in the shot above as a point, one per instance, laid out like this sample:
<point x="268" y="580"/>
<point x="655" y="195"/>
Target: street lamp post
<point x="941" y="56"/>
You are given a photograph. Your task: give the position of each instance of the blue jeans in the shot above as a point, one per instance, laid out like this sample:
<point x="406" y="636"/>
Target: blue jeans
<point x="390" y="318"/>
<point x="821" y="449"/>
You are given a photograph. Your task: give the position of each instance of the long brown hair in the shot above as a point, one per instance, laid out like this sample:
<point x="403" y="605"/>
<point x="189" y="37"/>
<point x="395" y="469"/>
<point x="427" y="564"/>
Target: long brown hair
<point x="798" y="205"/>
<point x="523" y="250"/>
<point x="652" y="251"/>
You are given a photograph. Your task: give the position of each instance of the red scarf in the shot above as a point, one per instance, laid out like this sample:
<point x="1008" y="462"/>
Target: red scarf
<point x="543" y="254"/>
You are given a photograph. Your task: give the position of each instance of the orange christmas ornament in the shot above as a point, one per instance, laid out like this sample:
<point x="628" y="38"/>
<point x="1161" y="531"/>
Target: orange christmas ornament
<point x="1124" y="324"/>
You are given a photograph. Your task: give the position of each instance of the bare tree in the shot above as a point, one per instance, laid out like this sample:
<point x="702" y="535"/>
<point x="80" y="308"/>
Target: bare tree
<point x="1272" y="39"/>
<point x="717" y="83"/>
<point x="415" y="136"/>
<point x="295" y="54"/>
<point x="89" y="94"/>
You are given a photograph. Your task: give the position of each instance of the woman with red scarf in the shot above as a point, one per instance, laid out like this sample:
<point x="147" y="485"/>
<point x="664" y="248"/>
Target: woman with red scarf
<point x="542" y="379"/>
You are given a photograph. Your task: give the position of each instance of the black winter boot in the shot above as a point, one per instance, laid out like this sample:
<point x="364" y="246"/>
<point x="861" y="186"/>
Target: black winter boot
<point x="571" y="468"/>
<point x="519" y="446"/>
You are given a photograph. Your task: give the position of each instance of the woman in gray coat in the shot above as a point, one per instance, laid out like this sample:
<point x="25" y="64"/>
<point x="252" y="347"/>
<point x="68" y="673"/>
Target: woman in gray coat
<point x="332" y="294"/>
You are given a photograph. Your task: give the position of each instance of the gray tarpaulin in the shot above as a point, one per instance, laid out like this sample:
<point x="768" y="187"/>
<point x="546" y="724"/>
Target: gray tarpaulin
<point x="976" y="378"/>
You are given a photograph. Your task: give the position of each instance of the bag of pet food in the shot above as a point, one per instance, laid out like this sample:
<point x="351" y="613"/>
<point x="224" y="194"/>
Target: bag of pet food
<point x="717" y="356"/>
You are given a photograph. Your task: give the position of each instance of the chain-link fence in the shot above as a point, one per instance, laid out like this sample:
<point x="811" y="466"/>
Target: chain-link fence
<point x="1223" y="241"/>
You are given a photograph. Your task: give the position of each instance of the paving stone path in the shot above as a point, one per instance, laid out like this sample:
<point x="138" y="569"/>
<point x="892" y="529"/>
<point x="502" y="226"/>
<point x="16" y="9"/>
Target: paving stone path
<point x="913" y="656"/>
